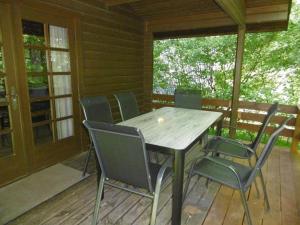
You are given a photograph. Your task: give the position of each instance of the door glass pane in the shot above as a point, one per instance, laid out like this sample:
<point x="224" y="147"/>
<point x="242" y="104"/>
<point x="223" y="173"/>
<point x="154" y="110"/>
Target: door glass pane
<point x="5" y="145"/>
<point x="60" y="61"/>
<point x="65" y="128"/>
<point x="62" y="84"/>
<point x="5" y="132"/>
<point x="64" y="107"/>
<point x="43" y="134"/>
<point x="58" y="37"/>
<point x="35" y="60"/>
<point x="41" y="120"/>
<point x="40" y="111"/>
<point x="38" y="86"/>
<point x="2" y="90"/>
<point x="33" y="33"/>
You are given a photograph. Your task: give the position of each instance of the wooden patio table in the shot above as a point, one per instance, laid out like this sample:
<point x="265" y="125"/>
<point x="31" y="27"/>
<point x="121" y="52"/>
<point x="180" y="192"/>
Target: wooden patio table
<point x="174" y="131"/>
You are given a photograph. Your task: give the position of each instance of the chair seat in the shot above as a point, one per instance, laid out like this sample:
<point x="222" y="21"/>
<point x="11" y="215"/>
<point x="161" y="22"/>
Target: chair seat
<point x="229" y="147"/>
<point x="154" y="170"/>
<point x="223" y="175"/>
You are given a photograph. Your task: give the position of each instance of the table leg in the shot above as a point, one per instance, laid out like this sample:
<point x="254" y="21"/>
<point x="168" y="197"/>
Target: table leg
<point x="178" y="169"/>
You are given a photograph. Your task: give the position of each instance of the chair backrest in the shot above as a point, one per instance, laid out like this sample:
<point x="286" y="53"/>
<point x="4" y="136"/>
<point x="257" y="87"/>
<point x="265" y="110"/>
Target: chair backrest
<point x="128" y="105"/>
<point x="187" y="98"/>
<point x="271" y="112"/>
<point x="96" y="108"/>
<point x="267" y="150"/>
<point x="121" y="153"/>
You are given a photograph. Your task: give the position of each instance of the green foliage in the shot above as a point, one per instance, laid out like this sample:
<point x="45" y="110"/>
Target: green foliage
<point x="200" y="63"/>
<point x="33" y="40"/>
<point x="271" y="69"/>
<point x="35" y="60"/>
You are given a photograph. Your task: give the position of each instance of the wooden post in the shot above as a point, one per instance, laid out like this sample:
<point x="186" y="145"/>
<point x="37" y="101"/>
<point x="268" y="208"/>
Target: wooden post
<point x="237" y="80"/>
<point x="296" y="136"/>
<point x="148" y="68"/>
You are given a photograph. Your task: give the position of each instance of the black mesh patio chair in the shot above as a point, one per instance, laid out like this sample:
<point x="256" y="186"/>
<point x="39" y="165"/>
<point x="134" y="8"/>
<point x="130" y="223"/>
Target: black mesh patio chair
<point x="128" y="105"/>
<point x="121" y="152"/>
<point x="235" y="175"/>
<point x="236" y="149"/>
<point x="188" y="99"/>
<point x="95" y="108"/>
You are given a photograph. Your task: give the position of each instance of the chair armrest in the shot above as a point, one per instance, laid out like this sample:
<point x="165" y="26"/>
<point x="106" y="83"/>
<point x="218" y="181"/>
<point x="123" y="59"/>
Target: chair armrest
<point x="233" y="142"/>
<point x="167" y="164"/>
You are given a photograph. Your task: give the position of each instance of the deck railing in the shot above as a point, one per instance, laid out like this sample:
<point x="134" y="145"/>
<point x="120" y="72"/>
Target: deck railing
<point x="250" y="115"/>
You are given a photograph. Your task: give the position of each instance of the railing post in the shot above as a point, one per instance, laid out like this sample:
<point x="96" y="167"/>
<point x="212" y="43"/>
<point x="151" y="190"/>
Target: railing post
<point x="296" y="136"/>
<point x="237" y="80"/>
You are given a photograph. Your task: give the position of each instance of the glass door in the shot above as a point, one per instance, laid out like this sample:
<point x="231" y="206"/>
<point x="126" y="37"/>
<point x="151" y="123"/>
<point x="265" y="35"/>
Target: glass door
<point x="13" y="161"/>
<point x="48" y="44"/>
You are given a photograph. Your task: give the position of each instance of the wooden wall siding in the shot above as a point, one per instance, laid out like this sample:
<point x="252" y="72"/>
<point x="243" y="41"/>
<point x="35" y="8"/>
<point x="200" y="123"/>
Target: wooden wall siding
<point x="148" y="68"/>
<point x="111" y="49"/>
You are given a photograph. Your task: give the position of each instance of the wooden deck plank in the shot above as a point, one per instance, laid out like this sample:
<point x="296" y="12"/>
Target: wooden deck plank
<point x="122" y="209"/>
<point x="255" y="203"/>
<point x="296" y="169"/>
<point x="215" y="205"/>
<point x="288" y="193"/>
<point x="235" y="214"/>
<point x="218" y="210"/>
<point x="196" y="207"/>
<point x="273" y="217"/>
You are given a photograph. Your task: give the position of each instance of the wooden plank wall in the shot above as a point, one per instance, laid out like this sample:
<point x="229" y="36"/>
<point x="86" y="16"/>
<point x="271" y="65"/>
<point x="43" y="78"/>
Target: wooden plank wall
<point x="110" y="49"/>
<point x="112" y="43"/>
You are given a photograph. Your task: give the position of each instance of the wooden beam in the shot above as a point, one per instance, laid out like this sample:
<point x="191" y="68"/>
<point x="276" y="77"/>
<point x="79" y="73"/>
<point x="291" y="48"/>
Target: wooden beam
<point x="148" y="68"/>
<point x="118" y="2"/>
<point x="236" y="9"/>
<point x="237" y="80"/>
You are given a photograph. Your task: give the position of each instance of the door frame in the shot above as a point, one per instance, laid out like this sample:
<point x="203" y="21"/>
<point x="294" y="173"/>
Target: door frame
<point x="16" y="164"/>
<point x="39" y="157"/>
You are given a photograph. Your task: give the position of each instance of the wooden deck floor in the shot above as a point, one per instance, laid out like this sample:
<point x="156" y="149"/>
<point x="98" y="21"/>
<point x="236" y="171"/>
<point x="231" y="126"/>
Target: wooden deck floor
<point x="217" y="205"/>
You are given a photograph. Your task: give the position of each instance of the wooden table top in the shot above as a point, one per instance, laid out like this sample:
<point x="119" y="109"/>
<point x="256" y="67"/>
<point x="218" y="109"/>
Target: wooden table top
<point x="174" y="128"/>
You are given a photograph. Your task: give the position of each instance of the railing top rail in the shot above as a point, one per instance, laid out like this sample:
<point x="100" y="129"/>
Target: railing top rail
<point x="242" y="104"/>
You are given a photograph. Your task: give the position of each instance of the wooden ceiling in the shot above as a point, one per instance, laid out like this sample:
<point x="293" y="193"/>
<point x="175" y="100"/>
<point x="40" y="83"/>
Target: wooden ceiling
<point x="167" y="16"/>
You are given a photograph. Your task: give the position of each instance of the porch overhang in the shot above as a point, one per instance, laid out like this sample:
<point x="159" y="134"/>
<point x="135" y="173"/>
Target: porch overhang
<point x="169" y="19"/>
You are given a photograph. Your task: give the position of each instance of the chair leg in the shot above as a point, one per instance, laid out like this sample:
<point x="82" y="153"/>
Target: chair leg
<point x="98" y="201"/>
<point x="264" y="190"/>
<point x="244" y="201"/>
<point x="87" y="160"/>
<point x="255" y="183"/>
